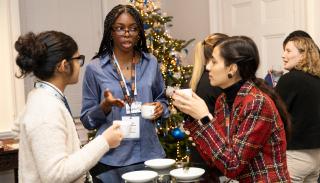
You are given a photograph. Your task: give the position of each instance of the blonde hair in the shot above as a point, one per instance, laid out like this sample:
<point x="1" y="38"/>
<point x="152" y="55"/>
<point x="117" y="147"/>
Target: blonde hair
<point x="203" y="52"/>
<point x="310" y="61"/>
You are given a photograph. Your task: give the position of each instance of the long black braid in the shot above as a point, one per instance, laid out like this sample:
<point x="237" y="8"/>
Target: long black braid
<point x="106" y="46"/>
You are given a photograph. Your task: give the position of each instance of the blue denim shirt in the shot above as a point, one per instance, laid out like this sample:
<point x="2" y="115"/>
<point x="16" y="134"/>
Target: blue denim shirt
<point x="100" y="75"/>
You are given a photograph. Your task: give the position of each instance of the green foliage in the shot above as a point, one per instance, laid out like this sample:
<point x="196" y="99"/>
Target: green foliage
<point x="170" y="53"/>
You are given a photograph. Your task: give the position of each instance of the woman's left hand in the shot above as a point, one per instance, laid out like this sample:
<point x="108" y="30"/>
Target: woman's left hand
<point x="193" y="106"/>
<point x="158" y="110"/>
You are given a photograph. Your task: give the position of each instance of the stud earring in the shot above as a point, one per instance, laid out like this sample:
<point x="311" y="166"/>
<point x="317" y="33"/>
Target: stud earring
<point x="229" y="75"/>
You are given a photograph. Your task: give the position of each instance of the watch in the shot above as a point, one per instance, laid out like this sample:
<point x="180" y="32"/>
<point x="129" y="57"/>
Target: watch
<point x="205" y="120"/>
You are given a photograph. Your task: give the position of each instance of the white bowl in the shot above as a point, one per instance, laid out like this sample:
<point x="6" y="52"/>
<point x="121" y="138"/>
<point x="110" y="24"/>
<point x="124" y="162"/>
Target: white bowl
<point x="159" y="163"/>
<point x="140" y="176"/>
<point x="190" y="174"/>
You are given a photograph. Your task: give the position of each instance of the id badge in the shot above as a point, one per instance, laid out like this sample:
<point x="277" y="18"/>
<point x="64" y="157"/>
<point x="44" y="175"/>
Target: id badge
<point x="135" y="107"/>
<point x="134" y="132"/>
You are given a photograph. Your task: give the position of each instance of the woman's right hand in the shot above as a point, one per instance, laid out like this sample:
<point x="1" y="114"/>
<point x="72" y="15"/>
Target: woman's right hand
<point x="110" y="101"/>
<point x="113" y="135"/>
<point x="193" y="106"/>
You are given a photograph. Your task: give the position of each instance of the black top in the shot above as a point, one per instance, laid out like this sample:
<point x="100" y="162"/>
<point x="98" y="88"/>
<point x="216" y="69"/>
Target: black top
<point x="301" y="93"/>
<point x="207" y="92"/>
<point x="231" y="93"/>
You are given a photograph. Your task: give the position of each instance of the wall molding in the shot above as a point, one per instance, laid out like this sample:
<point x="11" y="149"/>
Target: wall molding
<point x="215" y="16"/>
<point x="13" y="98"/>
<point x="300" y="17"/>
<point x="6" y="135"/>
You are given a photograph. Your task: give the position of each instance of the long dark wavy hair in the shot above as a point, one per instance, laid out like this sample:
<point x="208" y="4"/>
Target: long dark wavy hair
<point x="242" y="50"/>
<point x="106" y="46"/>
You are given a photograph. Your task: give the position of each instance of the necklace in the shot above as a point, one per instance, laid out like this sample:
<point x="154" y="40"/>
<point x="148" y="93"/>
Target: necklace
<point x="127" y="66"/>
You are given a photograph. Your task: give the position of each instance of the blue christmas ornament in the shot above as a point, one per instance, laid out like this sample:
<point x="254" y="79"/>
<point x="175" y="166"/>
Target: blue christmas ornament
<point x="177" y="134"/>
<point x="146" y="26"/>
<point x="157" y="30"/>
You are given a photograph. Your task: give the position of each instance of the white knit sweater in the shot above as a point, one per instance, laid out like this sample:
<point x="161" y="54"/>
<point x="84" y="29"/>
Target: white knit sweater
<point x="49" y="147"/>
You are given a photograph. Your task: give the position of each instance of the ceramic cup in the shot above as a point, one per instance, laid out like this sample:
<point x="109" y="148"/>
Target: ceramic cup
<point x="147" y="111"/>
<point x="187" y="92"/>
<point x="124" y="127"/>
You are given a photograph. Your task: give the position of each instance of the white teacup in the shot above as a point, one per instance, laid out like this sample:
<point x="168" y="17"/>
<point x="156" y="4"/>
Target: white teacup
<point x="147" y="111"/>
<point x="187" y="92"/>
<point x="124" y="127"/>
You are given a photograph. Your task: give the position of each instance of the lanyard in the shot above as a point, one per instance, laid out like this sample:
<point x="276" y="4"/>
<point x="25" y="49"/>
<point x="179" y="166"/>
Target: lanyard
<point x="228" y="127"/>
<point x="129" y="97"/>
<point x="53" y="90"/>
<point x="227" y="120"/>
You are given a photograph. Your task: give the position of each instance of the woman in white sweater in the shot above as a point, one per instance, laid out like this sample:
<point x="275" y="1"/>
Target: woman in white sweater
<point x="49" y="149"/>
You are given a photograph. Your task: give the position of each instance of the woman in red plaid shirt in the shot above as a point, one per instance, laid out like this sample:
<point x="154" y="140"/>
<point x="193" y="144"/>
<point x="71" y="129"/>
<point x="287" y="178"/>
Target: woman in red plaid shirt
<point x="246" y="138"/>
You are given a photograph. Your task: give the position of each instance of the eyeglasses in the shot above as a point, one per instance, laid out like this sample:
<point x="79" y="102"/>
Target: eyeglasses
<point x="80" y="59"/>
<point x="120" y="31"/>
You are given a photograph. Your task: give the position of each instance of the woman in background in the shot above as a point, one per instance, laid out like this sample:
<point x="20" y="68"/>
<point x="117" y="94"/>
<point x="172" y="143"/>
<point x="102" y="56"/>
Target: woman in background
<point x="246" y="139"/>
<point x="49" y="147"/>
<point x="200" y="83"/>
<point x="300" y="90"/>
<point x="124" y="67"/>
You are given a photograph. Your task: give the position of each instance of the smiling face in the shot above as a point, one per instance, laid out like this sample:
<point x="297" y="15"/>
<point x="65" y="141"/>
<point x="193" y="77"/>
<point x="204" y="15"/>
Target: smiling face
<point x="291" y="56"/>
<point x="125" y="32"/>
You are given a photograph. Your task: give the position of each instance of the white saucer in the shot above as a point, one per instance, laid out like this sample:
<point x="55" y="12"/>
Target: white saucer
<point x="140" y="176"/>
<point x="159" y="163"/>
<point x="190" y="174"/>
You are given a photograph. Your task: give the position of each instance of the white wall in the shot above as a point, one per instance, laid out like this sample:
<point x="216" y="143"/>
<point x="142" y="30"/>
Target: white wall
<point x="312" y="19"/>
<point x="107" y="5"/>
<point x="190" y="20"/>
<point x="268" y="23"/>
<point x="12" y="92"/>
<point x="81" y="19"/>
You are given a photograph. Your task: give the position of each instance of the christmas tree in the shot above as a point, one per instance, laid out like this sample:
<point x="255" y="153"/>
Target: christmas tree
<point x="170" y="53"/>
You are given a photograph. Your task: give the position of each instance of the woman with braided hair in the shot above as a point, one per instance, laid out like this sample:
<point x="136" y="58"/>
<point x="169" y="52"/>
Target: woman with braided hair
<point x="124" y="67"/>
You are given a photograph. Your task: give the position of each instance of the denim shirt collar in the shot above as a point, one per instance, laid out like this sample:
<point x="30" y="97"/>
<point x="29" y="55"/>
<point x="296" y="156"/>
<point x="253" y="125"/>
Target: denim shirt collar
<point x="106" y="58"/>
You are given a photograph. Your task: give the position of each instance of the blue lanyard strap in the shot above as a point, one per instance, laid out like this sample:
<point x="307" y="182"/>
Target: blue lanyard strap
<point x="54" y="91"/>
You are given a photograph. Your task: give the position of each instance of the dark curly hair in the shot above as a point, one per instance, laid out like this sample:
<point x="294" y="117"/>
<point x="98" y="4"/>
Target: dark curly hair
<point x="106" y="46"/>
<point x="40" y="54"/>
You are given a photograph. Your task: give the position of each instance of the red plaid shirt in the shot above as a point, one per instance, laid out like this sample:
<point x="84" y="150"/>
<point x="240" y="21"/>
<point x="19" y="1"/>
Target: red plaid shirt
<point x="256" y="148"/>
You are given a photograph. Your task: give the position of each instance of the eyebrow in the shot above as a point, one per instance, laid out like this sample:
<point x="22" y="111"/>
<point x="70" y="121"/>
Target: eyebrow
<point x="122" y="24"/>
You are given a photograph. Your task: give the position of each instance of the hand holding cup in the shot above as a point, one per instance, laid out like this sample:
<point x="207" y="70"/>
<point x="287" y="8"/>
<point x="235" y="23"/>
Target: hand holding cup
<point x="125" y="127"/>
<point x="151" y="110"/>
<point x="113" y="135"/>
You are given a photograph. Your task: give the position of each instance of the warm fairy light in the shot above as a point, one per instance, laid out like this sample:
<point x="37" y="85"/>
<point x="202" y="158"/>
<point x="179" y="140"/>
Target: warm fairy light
<point x="167" y="50"/>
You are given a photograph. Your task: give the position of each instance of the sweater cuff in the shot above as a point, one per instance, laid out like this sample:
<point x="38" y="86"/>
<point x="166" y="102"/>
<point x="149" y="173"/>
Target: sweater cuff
<point x="98" y="146"/>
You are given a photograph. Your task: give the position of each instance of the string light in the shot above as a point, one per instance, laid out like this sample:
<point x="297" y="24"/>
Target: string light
<point x="167" y="51"/>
